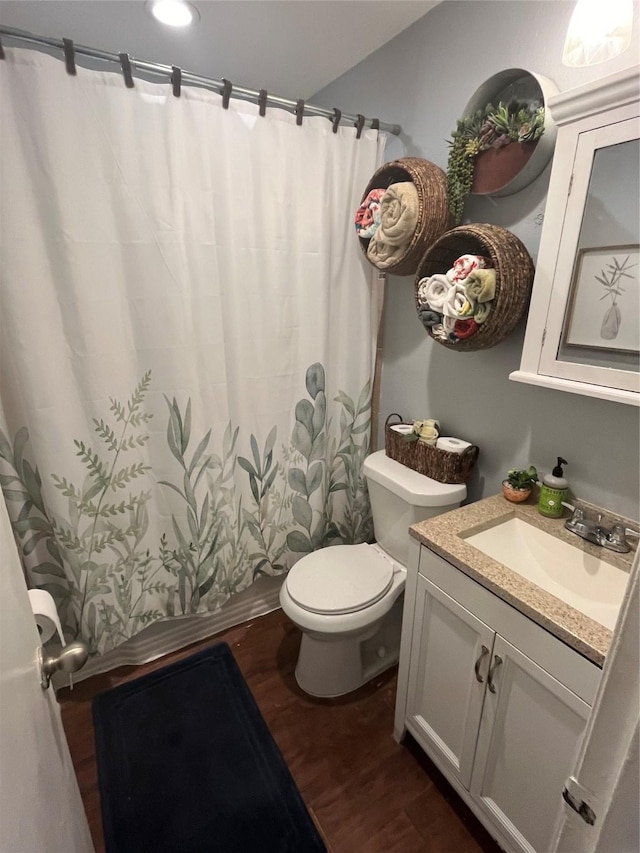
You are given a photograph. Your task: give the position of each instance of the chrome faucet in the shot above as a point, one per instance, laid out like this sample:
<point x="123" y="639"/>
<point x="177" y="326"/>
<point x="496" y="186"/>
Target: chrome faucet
<point x="613" y="538"/>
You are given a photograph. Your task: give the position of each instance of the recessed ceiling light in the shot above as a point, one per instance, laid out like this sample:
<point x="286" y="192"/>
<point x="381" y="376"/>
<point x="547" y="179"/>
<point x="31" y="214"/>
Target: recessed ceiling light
<point x="174" y="13"/>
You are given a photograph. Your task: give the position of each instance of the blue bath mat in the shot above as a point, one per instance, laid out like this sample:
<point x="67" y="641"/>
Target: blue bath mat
<point x="187" y="764"/>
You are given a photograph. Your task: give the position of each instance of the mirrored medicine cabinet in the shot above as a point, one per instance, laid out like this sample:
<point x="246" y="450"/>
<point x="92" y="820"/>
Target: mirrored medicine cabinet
<point x="583" y="329"/>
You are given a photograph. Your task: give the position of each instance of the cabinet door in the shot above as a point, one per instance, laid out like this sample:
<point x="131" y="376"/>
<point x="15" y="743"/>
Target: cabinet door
<point x="587" y="283"/>
<point x="450" y="655"/>
<point x="582" y="329"/>
<point x="529" y="736"/>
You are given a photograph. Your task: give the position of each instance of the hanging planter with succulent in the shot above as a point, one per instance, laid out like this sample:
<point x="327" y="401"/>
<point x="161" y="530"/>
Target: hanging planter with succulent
<point x="508" y="129"/>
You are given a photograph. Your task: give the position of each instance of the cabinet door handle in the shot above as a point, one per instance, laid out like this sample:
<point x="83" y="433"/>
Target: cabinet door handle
<point x="476" y="668"/>
<point x="497" y="660"/>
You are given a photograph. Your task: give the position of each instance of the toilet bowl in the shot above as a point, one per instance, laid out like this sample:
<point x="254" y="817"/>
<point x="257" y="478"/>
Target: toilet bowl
<point x="347" y="599"/>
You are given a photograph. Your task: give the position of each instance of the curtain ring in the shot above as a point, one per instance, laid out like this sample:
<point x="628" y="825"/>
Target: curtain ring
<point x="226" y="93"/>
<point x="262" y="101"/>
<point x="375" y="124"/>
<point x="176" y="80"/>
<point x="359" y="125"/>
<point x="337" y="115"/>
<point x="69" y="56"/>
<point x="299" y="111"/>
<point x="125" y="63"/>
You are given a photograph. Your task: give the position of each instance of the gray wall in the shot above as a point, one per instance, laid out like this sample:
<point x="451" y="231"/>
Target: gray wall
<point x="422" y="80"/>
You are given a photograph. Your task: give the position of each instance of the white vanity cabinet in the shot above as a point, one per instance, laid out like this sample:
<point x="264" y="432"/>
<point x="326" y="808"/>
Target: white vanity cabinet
<point x="498" y="703"/>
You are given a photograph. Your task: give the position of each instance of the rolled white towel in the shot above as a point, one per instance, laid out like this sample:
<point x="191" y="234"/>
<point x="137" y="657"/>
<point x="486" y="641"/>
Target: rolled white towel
<point x="422" y="291"/>
<point x="438" y="333"/>
<point x="448" y="324"/>
<point x="436" y="290"/>
<point x="455" y="301"/>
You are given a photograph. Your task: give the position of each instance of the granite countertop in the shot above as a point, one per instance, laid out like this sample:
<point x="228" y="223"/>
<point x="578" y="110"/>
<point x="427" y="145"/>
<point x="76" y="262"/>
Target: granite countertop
<point x="443" y="534"/>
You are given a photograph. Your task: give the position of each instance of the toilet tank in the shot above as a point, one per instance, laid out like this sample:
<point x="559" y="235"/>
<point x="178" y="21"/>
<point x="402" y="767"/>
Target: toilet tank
<point x="401" y="497"/>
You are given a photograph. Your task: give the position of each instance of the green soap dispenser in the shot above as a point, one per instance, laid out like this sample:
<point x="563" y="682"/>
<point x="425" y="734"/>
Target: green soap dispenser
<point x="553" y="491"/>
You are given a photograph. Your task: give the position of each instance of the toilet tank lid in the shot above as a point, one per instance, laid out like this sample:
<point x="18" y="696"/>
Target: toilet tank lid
<point x="415" y="488"/>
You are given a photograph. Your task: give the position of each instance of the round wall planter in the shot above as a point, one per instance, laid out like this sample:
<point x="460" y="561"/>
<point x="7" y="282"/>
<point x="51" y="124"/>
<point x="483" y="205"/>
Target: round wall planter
<point x="507" y="170"/>
<point x="497" y="168"/>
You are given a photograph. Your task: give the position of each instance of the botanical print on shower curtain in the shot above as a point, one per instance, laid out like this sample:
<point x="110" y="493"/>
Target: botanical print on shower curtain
<point x="187" y="343"/>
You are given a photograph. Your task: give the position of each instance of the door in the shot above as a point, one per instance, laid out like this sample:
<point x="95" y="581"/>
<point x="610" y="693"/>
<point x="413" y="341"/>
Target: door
<point x="40" y="806"/>
<point x="530" y="733"/>
<point x="449" y="662"/>
<point x="606" y="777"/>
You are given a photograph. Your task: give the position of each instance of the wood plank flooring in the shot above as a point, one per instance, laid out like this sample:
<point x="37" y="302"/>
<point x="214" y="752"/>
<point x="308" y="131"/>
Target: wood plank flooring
<point x="366" y="793"/>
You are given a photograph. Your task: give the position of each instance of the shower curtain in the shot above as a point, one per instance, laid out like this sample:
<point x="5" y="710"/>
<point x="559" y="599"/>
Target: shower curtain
<point x="187" y="342"/>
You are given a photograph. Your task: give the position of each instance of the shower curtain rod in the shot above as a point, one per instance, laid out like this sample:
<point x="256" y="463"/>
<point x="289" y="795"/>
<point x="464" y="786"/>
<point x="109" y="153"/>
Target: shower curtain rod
<point x="221" y="87"/>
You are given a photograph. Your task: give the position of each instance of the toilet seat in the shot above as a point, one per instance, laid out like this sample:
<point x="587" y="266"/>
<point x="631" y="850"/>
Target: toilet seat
<point x="340" y="579"/>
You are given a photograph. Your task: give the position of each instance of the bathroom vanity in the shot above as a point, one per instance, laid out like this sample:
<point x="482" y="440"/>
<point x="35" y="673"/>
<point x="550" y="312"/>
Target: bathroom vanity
<point x="498" y="675"/>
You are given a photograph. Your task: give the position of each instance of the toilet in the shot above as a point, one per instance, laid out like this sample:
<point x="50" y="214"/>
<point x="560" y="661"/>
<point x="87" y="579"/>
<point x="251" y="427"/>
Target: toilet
<point x="347" y="599"/>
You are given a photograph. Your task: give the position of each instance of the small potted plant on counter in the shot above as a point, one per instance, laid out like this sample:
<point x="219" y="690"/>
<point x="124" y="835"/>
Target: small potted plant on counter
<point x="519" y="483"/>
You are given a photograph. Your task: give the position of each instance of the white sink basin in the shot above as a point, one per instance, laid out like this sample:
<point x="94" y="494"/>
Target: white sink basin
<point x="586" y="583"/>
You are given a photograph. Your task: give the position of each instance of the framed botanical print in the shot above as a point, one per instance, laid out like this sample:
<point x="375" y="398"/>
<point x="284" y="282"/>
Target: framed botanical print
<point x="604" y="307"/>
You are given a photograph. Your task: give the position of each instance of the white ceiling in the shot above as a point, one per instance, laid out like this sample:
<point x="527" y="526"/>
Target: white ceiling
<point x="292" y="48"/>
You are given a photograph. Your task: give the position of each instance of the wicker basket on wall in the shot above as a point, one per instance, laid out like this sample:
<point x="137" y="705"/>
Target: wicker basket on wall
<point x="514" y="278"/>
<point x="433" y="206"/>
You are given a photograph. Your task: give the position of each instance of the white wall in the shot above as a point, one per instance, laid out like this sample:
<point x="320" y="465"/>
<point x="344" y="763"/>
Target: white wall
<point x="423" y="80"/>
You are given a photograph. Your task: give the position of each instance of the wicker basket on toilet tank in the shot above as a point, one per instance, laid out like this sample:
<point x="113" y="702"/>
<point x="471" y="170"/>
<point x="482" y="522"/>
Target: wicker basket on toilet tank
<point x="514" y="277"/>
<point x="440" y="465"/>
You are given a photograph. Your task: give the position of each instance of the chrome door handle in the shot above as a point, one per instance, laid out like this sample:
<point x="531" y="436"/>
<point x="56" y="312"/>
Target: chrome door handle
<point x="497" y="660"/>
<point x="484" y="652"/>
<point x="72" y="658"/>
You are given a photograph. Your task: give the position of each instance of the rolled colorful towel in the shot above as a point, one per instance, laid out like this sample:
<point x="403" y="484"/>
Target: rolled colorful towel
<point x="399" y="213"/>
<point x="428" y="317"/>
<point x="482" y="311"/>
<point x="467" y="309"/>
<point x="465" y="329"/>
<point x="436" y="290"/>
<point x="427" y="431"/>
<point x="368" y="214"/>
<point x="455" y="301"/>
<point x="465" y="265"/>
<point x="451" y="275"/>
<point x="480" y="285"/>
